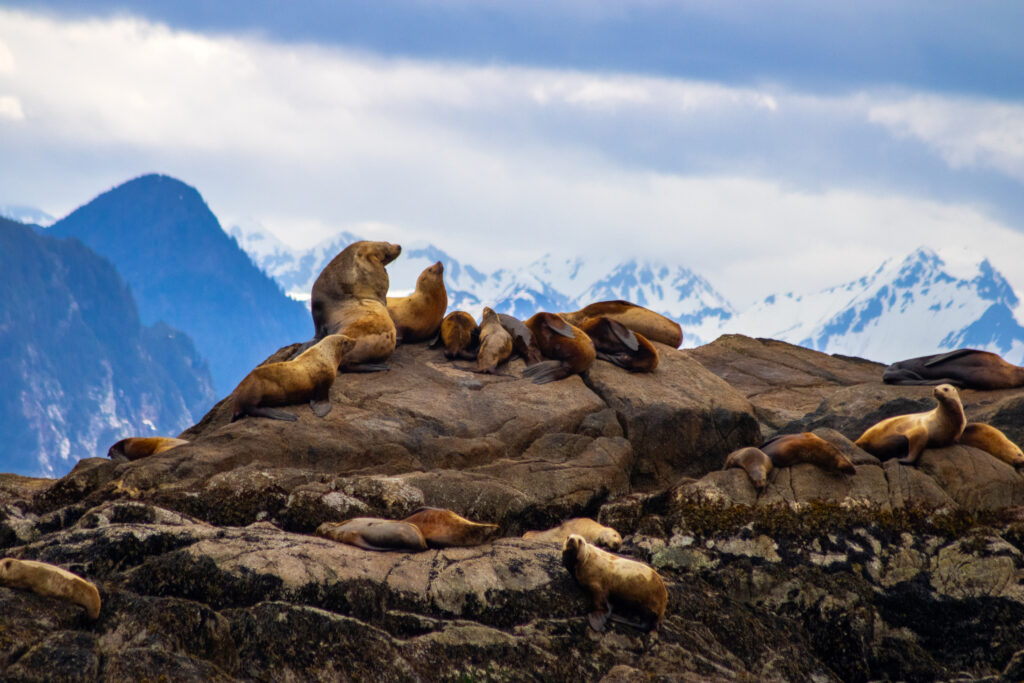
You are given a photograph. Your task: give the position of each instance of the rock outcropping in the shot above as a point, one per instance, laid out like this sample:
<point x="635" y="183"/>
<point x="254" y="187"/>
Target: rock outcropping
<point x="209" y="570"/>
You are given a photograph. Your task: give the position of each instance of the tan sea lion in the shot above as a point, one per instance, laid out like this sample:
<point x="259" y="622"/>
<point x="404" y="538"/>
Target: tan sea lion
<point x="495" y="343"/>
<point x="523" y="342"/>
<point x="307" y="377"/>
<point x="966" y="368"/>
<point x="136" y="447"/>
<point x="445" y="529"/>
<point x="912" y="433"/>
<point x="459" y="333"/>
<point x="418" y="316"/>
<point x="654" y="326"/>
<point x="615" y="581"/>
<point x="569" y="346"/>
<point x="786" y="450"/>
<point x="591" y="531"/>
<point x="371" y="533"/>
<point x="52" y="581"/>
<point x="620" y="345"/>
<point x="350" y="297"/>
<point x="754" y="461"/>
<point x="992" y="441"/>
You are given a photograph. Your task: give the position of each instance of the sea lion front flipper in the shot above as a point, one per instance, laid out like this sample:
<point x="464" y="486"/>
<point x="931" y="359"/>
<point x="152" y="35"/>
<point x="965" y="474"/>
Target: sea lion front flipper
<point x="436" y="341"/>
<point x="598" y="619"/>
<point x="624" y="334"/>
<point x="272" y="413"/>
<point x="321" y="408"/>
<point x="559" y="326"/>
<point x="943" y="357"/>
<point x="917" y="440"/>
<point x="548" y="371"/>
<point x="365" y="367"/>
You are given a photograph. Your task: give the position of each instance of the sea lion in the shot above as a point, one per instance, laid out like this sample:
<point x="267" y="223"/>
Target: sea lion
<point x="350" y="297"/>
<point x="418" y="316"/>
<point x="371" y="533"/>
<point x="786" y="450"/>
<point x="307" y="377"/>
<point x="569" y="346"/>
<point x="459" y="333"/>
<point x="523" y="342"/>
<point x="591" y="531"/>
<point x="52" y="581"/>
<point x="136" y="447"/>
<point x="614" y="580"/>
<point x="445" y="529"/>
<point x="495" y="343"/>
<point x="965" y="368"/>
<point x="912" y="433"/>
<point x="754" y="461"/>
<point x="654" y="326"/>
<point x="992" y="441"/>
<point x="620" y="345"/>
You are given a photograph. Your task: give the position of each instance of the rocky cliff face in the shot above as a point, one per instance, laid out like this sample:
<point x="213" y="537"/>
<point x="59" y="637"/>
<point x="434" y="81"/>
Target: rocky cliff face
<point x="208" y="569"/>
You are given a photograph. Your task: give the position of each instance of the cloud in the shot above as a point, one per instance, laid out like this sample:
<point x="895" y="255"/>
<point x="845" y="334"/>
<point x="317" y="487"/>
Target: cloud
<point x="10" y="108"/>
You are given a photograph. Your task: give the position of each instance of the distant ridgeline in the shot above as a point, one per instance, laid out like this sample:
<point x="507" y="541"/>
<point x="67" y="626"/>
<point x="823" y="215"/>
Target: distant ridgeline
<point x="77" y="367"/>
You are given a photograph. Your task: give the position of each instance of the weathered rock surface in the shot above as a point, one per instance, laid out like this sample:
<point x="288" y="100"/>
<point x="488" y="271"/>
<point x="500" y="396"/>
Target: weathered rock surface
<point x="208" y="568"/>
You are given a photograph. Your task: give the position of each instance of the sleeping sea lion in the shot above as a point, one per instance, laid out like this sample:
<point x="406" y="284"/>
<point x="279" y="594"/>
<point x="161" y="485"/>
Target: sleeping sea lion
<point x="523" y="342"/>
<point x="569" y="346"/>
<point x="966" y="368"/>
<point x="754" y="462"/>
<point x="308" y="377"/>
<point x="136" y="447"/>
<point x="445" y="529"/>
<point x="591" y="531"/>
<point x="620" y="345"/>
<point x="654" y="326"/>
<point x="459" y="333"/>
<point x="495" y="343"/>
<point x="786" y="450"/>
<point x="911" y="434"/>
<point x="52" y="581"/>
<point x="371" y="533"/>
<point x="418" y="316"/>
<point x="992" y="441"/>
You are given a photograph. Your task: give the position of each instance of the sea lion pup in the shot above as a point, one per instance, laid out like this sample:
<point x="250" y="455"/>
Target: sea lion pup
<point x="523" y="342"/>
<point x="371" y="533"/>
<point x="654" y="326"/>
<point x="992" y="441"/>
<point x="911" y="434"/>
<point x="591" y="531"/>
<point x="967" y="368"/>
<point x="308" y="377"/>
<point x="754" y="461"/>
<point x="445" y="529"/>
<point x="495" y="344"/>
<point x="350" y="297"/>
<point x="459" y="333"/>
<point x="418" y="316"/>
<point x="615" y="581"/>
<point x="136" y="447"/>
<point x="620" y="345"/>
<point x="786" y="450"/>
<point x="572" y="350"/>
<point x="52" y="581"/>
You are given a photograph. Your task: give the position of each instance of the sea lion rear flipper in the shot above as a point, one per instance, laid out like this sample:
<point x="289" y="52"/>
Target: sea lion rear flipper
<point x="321" y="408"/>
<point x="436" y="341"/>
<point x="365" y="367"/>
<point x="272" y="413"/>
<point x="624" y="334"/>
<point x="943" y="357"/>
<point x="909" y="378"/>
<point x="548" y="371"/>
<point x="559" y="326"/>
<point x="614" y="359"/>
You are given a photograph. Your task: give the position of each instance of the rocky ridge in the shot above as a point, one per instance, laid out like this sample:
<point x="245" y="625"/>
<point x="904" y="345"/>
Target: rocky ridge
<point x="208" y="568"/>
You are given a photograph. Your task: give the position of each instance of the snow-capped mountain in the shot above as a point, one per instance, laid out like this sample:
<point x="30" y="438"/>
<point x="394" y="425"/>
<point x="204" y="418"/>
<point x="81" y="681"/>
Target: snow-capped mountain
<point x="29" y="215"/>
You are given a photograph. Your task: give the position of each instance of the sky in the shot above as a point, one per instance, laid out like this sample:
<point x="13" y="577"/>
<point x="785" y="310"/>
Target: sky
<point x="770" y="147"/>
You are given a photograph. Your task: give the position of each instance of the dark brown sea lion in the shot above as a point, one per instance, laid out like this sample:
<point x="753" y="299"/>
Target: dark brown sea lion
<point x="654" y="326"/>
<point x="992" y="441"/>
<point x="522" y="339"/>
<point x="965" y="368"/>
<point x="418" y="316"/>
<point x="911" y="434"/>
<point x="350" y="297"/>
<point x="445" y="529"/>
<point x="786" y="450"/>
<point x="308" y="377"/>
<point x="620" y="345"/>
<point x="371" y="533"/>
<point x="591" y="531"/>
<point x="52" y="581"/>
<point x="569" y="346"/>
<point x="459" y="333"/>
<point x="136" y="447"/>
<point x="754" y="461"/>
<point x="495" y="343"/>
<point x="615" y="581"/>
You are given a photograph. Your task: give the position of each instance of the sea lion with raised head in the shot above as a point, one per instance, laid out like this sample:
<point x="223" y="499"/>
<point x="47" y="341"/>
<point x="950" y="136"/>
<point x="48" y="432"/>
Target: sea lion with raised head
<point x="965" y="368"/>
<point x="617" y="344"/>
<point x="754" y="462"/>
<point x="350" y="297"/>
<point x="992" y="441"/>
<point x="591" y="531"/>
<point x="495" y="343"/>
<point x="459" y="333"/>
<point x="371" y="533"/>
<point x="308" y="377"/>
<point x="50" y="580"/>
<point x="522" y="339"/>
<point x="911" y="434"/>
<point x="136" y="447"/>
<point x="786" y="450"/>
<point x="617" y="582"/>
<point x="446" y="529"/>
<point x="654" y="326"/>
<point x="418" y="316"/>
<point x="570" y="348"/>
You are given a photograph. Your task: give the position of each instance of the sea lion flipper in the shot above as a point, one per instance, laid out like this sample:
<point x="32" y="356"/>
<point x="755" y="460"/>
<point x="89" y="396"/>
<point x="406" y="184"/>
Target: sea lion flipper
<point x="272" y="413"/>
<point x="548" y="371"/>
<point x="559" y="326"/>
<point x="320" y="408"/>
<point x="436" y="341"/>
<point x="624" y="334"/>
<point x="365" y="367"/>
<point x="943" y="357"/>
<point x="614" y="359"/>
<point x="917" y="440"/>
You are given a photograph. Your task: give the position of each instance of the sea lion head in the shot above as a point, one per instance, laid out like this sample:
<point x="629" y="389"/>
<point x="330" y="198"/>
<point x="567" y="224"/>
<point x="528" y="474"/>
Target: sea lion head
<point x="946" y="393"/>
<point x="574" y="551"/>
<point x="434" y="271"/>
<point x="338" y="345"/>
<point x="609" y="538"/>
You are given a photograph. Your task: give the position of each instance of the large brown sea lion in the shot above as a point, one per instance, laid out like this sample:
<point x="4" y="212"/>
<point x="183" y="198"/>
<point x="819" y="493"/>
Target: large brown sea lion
<point x="620" y="345"/>
<point x="965" y="368"/>
<point x="350" y="297"/>
<point x="459" y="333"/>
<point x="654" y="326"/>
<point x="911" y="434"/>
<point x="754" y="462"/>
<point x="786" y="450"/>
<point x="445" y="529"/>
<point x="136" y="447"/>
<point x="992" y="441"/>
<point x="522" y="339"/>
<point x="495" y="343"/>
<point x="52" y="581"/>
<point x="615" y="581"/>
<point x="418" y="316"/>
<point x="591" y="531"/>
<point x="371" y="533"/>
<point x="307" y="377"/>
<point x="569" y="346"/>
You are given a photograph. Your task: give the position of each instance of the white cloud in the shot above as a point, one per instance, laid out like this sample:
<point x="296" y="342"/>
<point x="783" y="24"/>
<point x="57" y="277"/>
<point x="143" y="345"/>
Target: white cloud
<point x="10" y="108"/>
